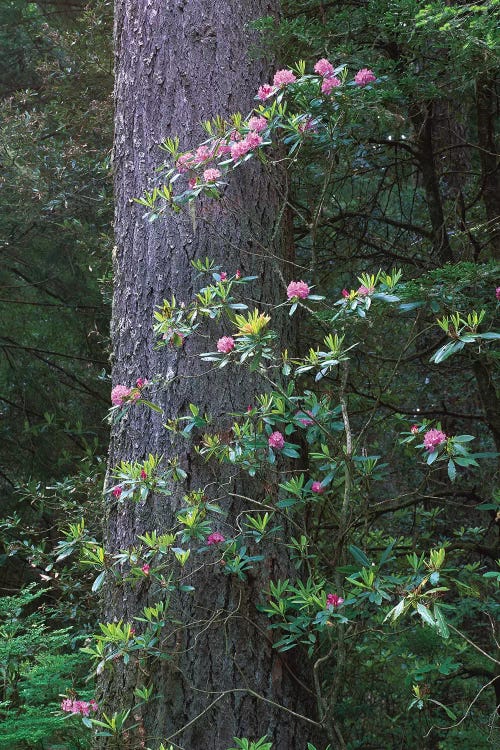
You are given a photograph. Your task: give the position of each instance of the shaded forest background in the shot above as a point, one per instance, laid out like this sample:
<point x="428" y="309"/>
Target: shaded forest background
<point x="415" y="184"/>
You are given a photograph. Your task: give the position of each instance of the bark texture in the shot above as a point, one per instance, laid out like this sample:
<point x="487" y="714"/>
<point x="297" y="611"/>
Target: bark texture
<point x="177" y="63"/>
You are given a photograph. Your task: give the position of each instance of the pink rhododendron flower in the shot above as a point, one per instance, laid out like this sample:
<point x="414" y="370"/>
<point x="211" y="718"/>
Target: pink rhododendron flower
<point x="317" y="487"/>
<point x="225" y="344"/>
<point x="78" y="707"/>
<point x="329" y="84"/>
<point x="265" y="92"/>
<point x="414" y="429"/>
<point x="257" y="123"/>
<point x="223" y="276"/>
<point x="364" y="76"/>
<point x="141" y="382"/>
<point x="498" y="292"/>
<point x="215" y="538"/>
<point x="67" y="705"/>
<point x="237" y="275"/>
<point x="297" y="289"/>
<point x="210" y="175"/>
<point x="324" y="67"/>
<point x="252" y="140"/>
<point x="433" y="438"/>
<point x="119" y="394"/>
<point x="145" y="569"/>
<point x="308" y="126"/>
<point x="185" y="162"/>
<point x="143" y="474"/>
<point x="282" y="77"/>
<point x="238" y="150"/>
<point x="223" y="148"/>
<point x="192" y="183"/>
<point x="276" y="440"/>
<point x="203" y="153"/>
<point x="345" y="292"/>
<point x="93" y="704"/>
<point x="364" y="291"/>
<point x="117" y="492"/>
<point x="334" y="600"/>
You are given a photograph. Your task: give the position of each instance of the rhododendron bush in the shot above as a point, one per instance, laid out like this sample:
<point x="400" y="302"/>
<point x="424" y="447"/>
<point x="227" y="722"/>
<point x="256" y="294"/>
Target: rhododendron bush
<point x="357" y="528"/>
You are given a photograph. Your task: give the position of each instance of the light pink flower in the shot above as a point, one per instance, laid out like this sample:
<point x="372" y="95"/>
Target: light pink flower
<point x="117" y="492"/>
<point x="297" y="289"/>
<point x="203" y="153"/>
<point x="282" y="77"/>
<point x="364" y="291"/>
<point x="324" y="67"/>
<point x="433" y="438"/>
<point x="498" y="292"/>
<point x="265" y="92"/>
<point x="145" y="569"/>
<point x="237" y="275"/>
<point x="252" y="140"/>
<point x="225" y="344"/>
<point x="317" y="487"/>
<point x="238" y="150"/>
<point x="185" y="162"/>
<point x="215" y="538"/>
<point x="257" y="123"/>
<point x="334" y="600"/>
<point x="210" y="175"/>
<point x="330" y="83"/>
<point x="414" y="429"/>
<point x="223" y="276"/>
<point x="67" y="705"/>
<point x="223" y="148"/>
<point x="119" y="394"/>
<point x="364" y="76"/>
<point x="276" y="440"/>
<point x="192" y="183"/>
<point x="93" y="704"/>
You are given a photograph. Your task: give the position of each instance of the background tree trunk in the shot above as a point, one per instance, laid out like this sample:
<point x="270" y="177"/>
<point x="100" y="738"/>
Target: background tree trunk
<point x="177" y="63"/>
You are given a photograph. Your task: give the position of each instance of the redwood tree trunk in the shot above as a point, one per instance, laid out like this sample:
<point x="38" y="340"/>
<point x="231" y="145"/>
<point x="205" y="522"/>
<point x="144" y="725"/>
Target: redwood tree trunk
<point x="177" y="63"/>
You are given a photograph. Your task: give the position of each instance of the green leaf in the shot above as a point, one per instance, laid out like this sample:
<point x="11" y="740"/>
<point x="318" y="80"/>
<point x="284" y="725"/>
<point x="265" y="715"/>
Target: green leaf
<point x="441" y="625"/>
<point x="425" y="614"/>
<point x="359" y="556"/>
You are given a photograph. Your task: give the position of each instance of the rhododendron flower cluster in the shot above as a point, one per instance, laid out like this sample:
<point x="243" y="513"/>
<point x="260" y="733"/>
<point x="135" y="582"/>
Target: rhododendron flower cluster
<point x="414" y="429"/>
<point x="257" y="124"/>
<point x="145" y="569"/>
<point x="265" y="91"/>
<point x="433" y="438"/>
<point x="78" y="707"/>
<point x="117" y="492"/>
<point x="251" y="141"/>
<point x="324" y="68"/>
<point x="317" y="487"/>
<point x="210" y="175"/>
<point x="364" y="76"/>
<point x="276" y="441"/>
<point x="334" y="600"/>
<point x="225" y="344"/>
<point x="283" y="77"/>
<point x="297" y="289"/>
<point x="119" y="394"/>
<point x="364" y="291"/>
<point x="332" y="82"/>
<point x="215" y="538"/>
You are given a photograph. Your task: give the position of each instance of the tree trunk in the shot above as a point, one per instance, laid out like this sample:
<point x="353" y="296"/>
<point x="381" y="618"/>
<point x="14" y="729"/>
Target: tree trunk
<point x="177" y="63"/>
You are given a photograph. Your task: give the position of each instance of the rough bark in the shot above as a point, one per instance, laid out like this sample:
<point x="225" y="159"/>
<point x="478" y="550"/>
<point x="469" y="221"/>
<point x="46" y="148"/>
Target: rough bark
<point x="486" y="103"/>
<point x="177" y="63"/>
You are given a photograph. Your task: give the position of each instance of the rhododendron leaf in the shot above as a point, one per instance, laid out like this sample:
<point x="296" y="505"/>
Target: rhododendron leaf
<point x="425" y="614"/>
<point x="98" y="581"/>
<point x="463" y="438"/>
<point x="452" y="471"/>
<point x="432" y="457"/>
<point x="359" y="556"/>
<point x="150" y="405"/>
<point x="441" y="625"/>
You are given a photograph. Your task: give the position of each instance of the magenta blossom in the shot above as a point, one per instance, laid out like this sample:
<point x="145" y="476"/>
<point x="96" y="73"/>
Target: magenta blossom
<point x="78" y="707"/>
<point x="143" y="475"/>
<point x="241" y="148"/>
<point x="141" y="382"/>
<point x="330" y="83"/>
<point x="324" y="67"/>
<point x="185" y="162"/>
<point x="433" y="438"/>
<point x="117" y="492"/>
<point x="364" y="76"/>
<point x="282" y="77"/>
<point x="211" y="175"/>
<point x="498" y="293"/>
<point x="223" y="276"/>
<point x="257" y="123"/>
<point x="225" y="344"/>
<point x="345" y="292"/>
<point x="215" y="538"/>
<point x="317" y="487"/>
<point x="334" y="600"/>
<point x="276" y="441"/>
<point x="119" y="394"/>
<point x="297" y="289"/>
<point x="145" y="569"/>
<point x="414" y="429"/>
<point x="237" y="275"/>
<point x="265" y="92"/>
